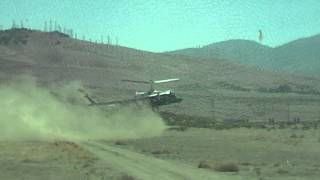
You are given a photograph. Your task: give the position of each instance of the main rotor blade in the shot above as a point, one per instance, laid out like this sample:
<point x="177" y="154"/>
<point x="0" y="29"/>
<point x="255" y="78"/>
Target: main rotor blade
<point x="137" y="81"/>
<point x="149" y="82"/>
<point x="166" y="80"/>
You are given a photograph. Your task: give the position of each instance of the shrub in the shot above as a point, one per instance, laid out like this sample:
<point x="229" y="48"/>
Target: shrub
<point x="257" y="170"/>
<point x="282" y="171"/>
<point x="126" y="177"/>
<point x="276" y="165"/>
<point x="293" y="136"/>
<point x="283" y="88"/>
<point x="205" y="165"/>
<point x="245" y="164"/>
<point x="120" y="143"/>
<point x="305" y="127"/>
<point x="226" y="167"/>
<point x="221" y="167"/>
<point x="162" y="151"/>
<point x="301" y="136"/>
<point x="178" y="128"/>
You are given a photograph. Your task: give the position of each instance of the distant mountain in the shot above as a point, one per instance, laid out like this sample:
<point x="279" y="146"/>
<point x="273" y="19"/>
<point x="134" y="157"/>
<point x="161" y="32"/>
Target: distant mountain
<point x="302" y="55"/>
<point x="299" y="56"/>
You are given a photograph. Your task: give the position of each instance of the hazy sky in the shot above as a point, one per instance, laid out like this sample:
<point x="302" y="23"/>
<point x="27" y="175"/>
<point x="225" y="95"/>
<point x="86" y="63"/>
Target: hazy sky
<point x="161" y="25"/>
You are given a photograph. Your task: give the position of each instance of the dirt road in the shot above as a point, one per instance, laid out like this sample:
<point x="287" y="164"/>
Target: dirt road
<point x="145" y="167"/>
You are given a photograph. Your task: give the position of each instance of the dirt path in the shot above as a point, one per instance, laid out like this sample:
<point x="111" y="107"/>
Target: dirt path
<point x="145" y="167"/>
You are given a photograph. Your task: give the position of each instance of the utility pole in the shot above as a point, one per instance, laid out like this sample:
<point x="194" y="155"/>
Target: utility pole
<point x="50" y="25"/>
<point x="319" y="115"/>
<point x="272" y="108"/>
<point x="117" y="41"/>
<point x="21" y="24"/>
<point x="14" y="25"/>
<point x="213" y="106"/>
<point x="55" y="26"/>
<point x="26" y="24"/>
<point x="45" y="26"/>
<point x="288" y="110"/>
<point x="71" y="33"/>
<point x="109" y="40"/>
<point x="101" y="39"/>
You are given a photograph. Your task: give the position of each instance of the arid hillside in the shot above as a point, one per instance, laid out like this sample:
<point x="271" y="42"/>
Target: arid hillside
<point x="54" y="58"/>
<point x="298" y="56"/>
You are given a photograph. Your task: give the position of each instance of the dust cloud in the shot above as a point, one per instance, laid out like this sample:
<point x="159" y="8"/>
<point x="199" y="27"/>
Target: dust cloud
<point x="30" y="112"/>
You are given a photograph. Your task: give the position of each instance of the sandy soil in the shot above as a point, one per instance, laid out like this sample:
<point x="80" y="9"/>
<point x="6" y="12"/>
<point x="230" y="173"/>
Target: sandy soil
<point x="279" y="154"/>
<point x="51" y="160"/>
<point x="90" y="160"/>
<point x="147" y="167"/>
<point x="286" y="154"/>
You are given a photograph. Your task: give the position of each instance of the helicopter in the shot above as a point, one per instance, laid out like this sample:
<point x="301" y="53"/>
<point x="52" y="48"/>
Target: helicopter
<point x="153" y="97"/>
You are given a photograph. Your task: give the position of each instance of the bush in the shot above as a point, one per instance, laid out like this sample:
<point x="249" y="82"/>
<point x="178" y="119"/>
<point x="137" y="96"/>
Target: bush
<point x="301" y="136"/>
<point x="276" y="165"/>
<point x="226" y="167"/>
<point x="221" y="167"/>
<point x="293" y="136"/>
<point x="246" y="164"/>
<point x="120" y="143"/>
<point x="126" y="177"/>
<point x="282" y="171"/>
<point x="162" y="151"/>
<point x="204" y="165"/>
<point x="283" y="88"/>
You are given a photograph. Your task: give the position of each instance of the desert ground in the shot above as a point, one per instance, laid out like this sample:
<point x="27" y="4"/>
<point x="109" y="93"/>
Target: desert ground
<point x="194" y="153"/>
